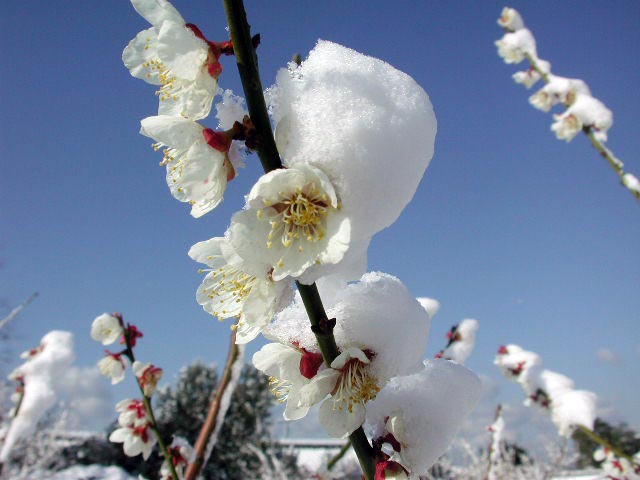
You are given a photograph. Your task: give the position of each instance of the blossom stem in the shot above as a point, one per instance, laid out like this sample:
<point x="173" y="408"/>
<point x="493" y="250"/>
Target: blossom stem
<point x="247" y="62"/>
<point x="598" y="439"/>
<point x="615" y="163"/>
<point x="204" y="445"/>
<point x="147" y="403"/>
<point x="320" y="324"/>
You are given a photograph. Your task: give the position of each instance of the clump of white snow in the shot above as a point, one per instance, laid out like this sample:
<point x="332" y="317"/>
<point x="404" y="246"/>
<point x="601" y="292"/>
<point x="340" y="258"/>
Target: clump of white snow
<point x="464" y="341"/>
<point x="552" y="391"/>
<point x="377" y="313"/>
<point x="431" y="305"/>
<point x="423" y="411"/>
<point x="369" y="127"/>
<point x="41" y="375"/>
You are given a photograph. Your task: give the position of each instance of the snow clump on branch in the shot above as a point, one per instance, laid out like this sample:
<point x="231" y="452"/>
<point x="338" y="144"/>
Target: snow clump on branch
<point x="41" y="375"/>
<point x="367" y="126"/>
<point x="418" y="415"/>
<point x="381" y="331"/>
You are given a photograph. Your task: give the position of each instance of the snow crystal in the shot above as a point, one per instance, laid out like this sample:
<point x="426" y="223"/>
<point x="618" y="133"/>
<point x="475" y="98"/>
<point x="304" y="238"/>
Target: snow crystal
<point x="368" y="126"/>
<point x="230" y="110"/>
<point x="431" y="406"/>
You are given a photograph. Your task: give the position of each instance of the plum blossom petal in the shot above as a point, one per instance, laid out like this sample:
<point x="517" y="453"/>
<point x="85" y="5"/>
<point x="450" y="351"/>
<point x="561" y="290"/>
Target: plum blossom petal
<point x="197" y="172"/>
<point x="338" y="421"/>
<point x="106" y="329"/>
<point x="157" y="11"/>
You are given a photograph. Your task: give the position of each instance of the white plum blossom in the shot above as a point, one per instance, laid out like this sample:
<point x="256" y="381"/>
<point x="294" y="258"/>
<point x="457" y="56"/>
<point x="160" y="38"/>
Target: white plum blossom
<point x="106" y="328"/>
<point x="175" y="56"/>
<point x="131" y="412"/>
<point x="510" y="19"/>
<point x="113" y="365"/>
<point x="513" y="47"/>
<point x="292" y="221"/>
<point x="351" y="384"/>
<point x="289" y="368"/>
<point x="530" y="77"/>
<point x="584" y="112"/>
<point x="134" y="433"/>
<point x="376" y="319"/>
<point x="135" y="440"/>
<point x="235" y="288"/>
<point x="417" y="416"/>
<point x="558" y="90"/>
<point x="198" y="167"/>
<point x="368" y="126"/>
<point x="148" y="376"/>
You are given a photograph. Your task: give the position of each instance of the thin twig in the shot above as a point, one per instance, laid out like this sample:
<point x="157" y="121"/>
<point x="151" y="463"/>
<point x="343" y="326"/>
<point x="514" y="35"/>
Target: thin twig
<point x="16" y="311"/>
<point x="338" y="456"/>
<point x="269" y="157"/>
<point x="204" y="444"/>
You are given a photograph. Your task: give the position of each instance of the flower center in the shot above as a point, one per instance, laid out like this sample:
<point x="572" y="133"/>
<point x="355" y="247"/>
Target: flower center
<point x="280" y="389"/>
<point x="301" y="215"/>
<point x="229" y="285"/>
<point x="356" y="385"/>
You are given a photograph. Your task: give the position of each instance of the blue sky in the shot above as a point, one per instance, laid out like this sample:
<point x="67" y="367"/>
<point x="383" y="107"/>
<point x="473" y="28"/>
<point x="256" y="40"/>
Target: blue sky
<point x="532" y="236"/>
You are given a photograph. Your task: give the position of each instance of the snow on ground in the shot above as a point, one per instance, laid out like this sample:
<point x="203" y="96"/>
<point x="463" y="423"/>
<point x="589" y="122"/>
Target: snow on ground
<point x="84" y="472"/>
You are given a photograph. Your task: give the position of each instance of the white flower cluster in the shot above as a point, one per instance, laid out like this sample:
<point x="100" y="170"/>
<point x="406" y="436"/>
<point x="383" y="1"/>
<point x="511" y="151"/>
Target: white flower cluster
<point x="135" y="430"/>
<point x="355" y="136"/>
<point x="177" y="57"/>
<point x="584" y="112"/>
<point x="551" y="391"/>
<point x="616" y="467"/>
